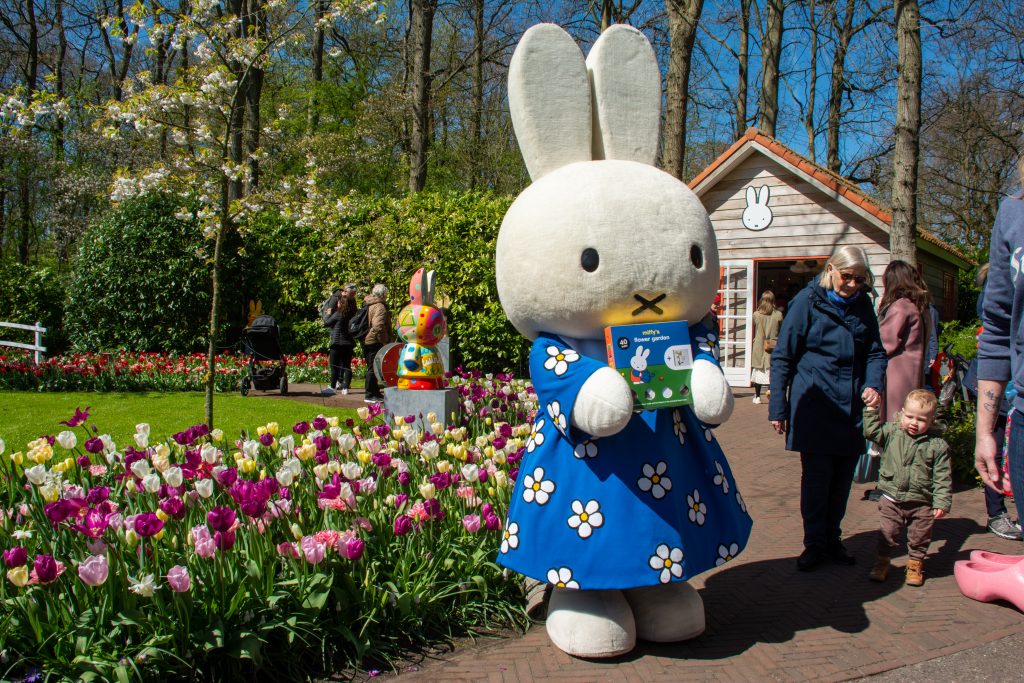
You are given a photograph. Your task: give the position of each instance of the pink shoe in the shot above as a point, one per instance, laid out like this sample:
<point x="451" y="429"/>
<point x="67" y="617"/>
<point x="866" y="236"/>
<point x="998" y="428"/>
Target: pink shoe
<point x="987" y="582"/>
<point x="995" y="558"/>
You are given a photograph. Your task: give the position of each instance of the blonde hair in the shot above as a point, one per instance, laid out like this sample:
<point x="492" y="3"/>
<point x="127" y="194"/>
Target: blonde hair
<point x="847" y="256"/>
<point x="923" y="398"/>
<point x="767" y="304"/>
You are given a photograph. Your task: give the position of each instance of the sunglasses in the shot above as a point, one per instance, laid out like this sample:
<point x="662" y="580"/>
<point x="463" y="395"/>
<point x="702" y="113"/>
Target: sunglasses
<point x="850" y="277"/>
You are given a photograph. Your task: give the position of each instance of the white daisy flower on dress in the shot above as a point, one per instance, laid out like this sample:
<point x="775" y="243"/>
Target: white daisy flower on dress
<point x="678" y="426"/>
<point x="742" y="503"/>
<point x="726" y="553"/>
<point x="654" y="480"/>
<point x="720" y="479"/>
<point x="558" y="359"/>
<point x="585" y="449"/>
<point x="557" y="418"/>
<point x="561" y="577"/>
<point x="709" y="344"/>
<point x="536" y="488"/>
<point x="536" y="436"/>
<point x="510" y="538"/>
<point x="698" y="510"/>
<point x="587" y="518"/>
<point x="668" y="561"/>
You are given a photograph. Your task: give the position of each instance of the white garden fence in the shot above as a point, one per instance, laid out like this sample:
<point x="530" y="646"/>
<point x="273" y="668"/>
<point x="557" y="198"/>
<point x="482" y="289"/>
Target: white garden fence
<point x="36" y="347"/>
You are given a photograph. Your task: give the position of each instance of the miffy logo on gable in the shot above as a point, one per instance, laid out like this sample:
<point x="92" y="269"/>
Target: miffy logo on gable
<point x="757" y="215"/>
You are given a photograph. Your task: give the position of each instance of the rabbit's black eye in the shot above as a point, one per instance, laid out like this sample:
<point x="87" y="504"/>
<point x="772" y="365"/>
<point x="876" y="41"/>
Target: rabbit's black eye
<point x="697" y="256"/>
<point x="589" y="259"/>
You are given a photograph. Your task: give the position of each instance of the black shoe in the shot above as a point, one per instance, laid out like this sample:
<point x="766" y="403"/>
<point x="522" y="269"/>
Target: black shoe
<point x="839" y="555"/>
<point x="809" y="559"/>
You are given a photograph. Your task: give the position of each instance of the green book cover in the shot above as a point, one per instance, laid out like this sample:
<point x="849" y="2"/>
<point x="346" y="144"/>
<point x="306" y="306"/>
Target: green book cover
<point x="655" y="359"/>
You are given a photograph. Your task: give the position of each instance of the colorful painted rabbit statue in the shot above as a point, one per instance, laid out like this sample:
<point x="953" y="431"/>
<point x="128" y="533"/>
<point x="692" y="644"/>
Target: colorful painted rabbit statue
<point x="421" y="326"/>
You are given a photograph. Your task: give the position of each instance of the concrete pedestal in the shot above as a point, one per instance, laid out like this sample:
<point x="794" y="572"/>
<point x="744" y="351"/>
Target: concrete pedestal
<point x="442" y="402"/>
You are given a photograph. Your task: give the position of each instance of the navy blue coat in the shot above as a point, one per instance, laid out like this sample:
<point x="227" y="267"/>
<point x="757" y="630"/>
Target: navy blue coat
<point x="822" y="361"/>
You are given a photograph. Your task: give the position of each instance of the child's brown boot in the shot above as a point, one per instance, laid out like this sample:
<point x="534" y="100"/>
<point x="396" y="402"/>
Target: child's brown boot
<point x="881" y="569"/>
<point x="915" y="575"/>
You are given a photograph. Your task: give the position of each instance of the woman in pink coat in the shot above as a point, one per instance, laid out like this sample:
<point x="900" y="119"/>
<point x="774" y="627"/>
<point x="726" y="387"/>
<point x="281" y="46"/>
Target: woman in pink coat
<point x="903" y="321"/>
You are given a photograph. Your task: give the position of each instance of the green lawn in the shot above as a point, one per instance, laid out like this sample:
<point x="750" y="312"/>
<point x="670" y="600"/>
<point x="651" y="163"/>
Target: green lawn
<point x="26" y="415"/>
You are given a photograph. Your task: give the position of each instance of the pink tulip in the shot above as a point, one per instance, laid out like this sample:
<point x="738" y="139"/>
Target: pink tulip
<point x="93" y="570"/>
<point x="471" y="523"/>
<point x="178" y="579"/>
<point x="313" y="549"/>
<point x="287" y="550"/>
<point x="206" y="547"/>
<point x="350" y="546"/>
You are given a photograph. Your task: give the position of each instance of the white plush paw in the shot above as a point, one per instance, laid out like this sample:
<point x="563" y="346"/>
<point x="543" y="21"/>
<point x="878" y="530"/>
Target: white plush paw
<point x="712" y="396"/>
<point x="590" y="623"/>
<point x="668" y="613"/>
<point x="604" y="404"/>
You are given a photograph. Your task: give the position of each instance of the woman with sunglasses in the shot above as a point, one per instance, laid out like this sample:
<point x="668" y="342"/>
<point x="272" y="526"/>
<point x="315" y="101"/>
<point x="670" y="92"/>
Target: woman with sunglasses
<point x="828" y="363"/>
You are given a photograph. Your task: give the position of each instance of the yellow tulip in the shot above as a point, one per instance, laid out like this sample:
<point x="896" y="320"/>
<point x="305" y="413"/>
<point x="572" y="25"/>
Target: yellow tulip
<point x="162" y="451"/>
<point x="18" y="576"/>
<point x="217" y="435"/>
<point x="428" y="490"/>
<point x="437" y="428"/>
<point x="500" y="457"/>
<point x="263" y="474"/>
<point x="443" y="465"/>
<point x="364" y="456"/>
<point x="162" y="515"/>
<point x="161" y="461"/>
<point x="296" y="531"/>
<point x="491" y="491"/>
<point x="159" y="535"/>
<point x="261" y="430"/>
<point x="247" y="466"/>
<point x="488" y="421"/>
<point x="50" y="492"/>
<point x="273" y="428"/>
<point x="17" y="458"/>
<point x="131" y="538"/>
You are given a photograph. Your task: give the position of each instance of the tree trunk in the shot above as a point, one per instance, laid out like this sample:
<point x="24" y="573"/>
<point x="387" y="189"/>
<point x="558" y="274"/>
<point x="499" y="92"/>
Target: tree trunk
<point x="421" y="20"/>
<point x="317" y="59"/>
<point x="24" y="170"/>
<point x="683" y="16"/>
<point x="476" y="117"/>
<point x="62" y="51"/>
<point x="211" y="351"/>
<point x="812" y="81"/>
<point x="606" y="15"/>
<point x="836" y="87"/>
<point x="902" y="243"/>
<point x="770" y="55"/>
<point x="253" y="94"/>
<point x="743" y="66"/>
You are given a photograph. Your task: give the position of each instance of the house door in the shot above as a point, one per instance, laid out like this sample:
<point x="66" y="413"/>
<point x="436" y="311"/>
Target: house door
<point x="736" y="289"/>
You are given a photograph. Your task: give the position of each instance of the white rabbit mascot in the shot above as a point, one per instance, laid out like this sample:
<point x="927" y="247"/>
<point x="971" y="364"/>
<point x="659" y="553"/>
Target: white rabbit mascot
<point x="615" y="508"/>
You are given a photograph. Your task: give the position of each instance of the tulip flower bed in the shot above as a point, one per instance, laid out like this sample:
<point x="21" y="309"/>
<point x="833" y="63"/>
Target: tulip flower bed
<point x="308" y="549"/>
<point x="127" y="371"/>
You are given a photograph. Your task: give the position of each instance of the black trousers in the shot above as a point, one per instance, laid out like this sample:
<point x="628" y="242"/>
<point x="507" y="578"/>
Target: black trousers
<point x="341" y="363"/>
<point x="825" y="483"/>
<point x="372" y="385"/>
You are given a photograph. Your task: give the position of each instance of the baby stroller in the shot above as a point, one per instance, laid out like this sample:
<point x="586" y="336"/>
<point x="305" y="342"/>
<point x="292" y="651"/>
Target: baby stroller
<point x="262" y="342"/>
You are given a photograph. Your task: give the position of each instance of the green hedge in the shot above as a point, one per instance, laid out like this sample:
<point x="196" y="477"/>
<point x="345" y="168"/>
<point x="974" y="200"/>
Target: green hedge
<point x="292" y="268"/>
<point x="31" y="294"/>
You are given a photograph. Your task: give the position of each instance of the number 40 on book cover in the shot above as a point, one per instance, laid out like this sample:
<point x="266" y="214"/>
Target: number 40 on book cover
<point x="655" y="359"/>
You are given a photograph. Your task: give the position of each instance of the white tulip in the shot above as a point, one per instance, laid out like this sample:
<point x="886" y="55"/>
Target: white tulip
<point x="141" y="440"/>
<point x="141" y="469"/>
<point x="151" y="482"/>
<point x="146" y="587"/>
<point x="346" y="442"/>
<point x="335" y="433"/>
<point x="284" y="477"/>
<point x="295" y="465"/>
<point x="108" y="444"/>
<point x="470" y="472"/>
<point x="251" y="448"/>
<point x="173" y="476"/>
<point x="287" y="443"/>
<point x="352" y="470"/>
<point x="209" y="453"/>
<point x="36" y="475"/>
<point x="142" y="428"/>
<point x="67" y="440"/>
<point x="320" y="471"/>
<point x="3" y="446"/>
<point x="204" y="487"/>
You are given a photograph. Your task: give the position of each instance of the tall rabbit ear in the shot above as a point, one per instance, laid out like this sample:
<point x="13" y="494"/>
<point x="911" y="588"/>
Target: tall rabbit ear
<point x="549" y="99"/>
<point x="751" y="195"/>
<point x="429" y="282"/>
<point x="763" y="195"/>
<point x="626" y="86"/>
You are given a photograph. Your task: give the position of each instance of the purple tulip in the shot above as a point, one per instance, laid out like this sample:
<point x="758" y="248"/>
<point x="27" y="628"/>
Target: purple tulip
<point x="83" y="460"/>
<point x="266" y="438"/>
<point x="351" y="547"/>
<point x="320" y="457"/>
<point x="178" y="579"/>
<point x="97" y="494"/>
<point x="382" y="431"/>
<point x="46" y="568"/>
<point x="322" y="442"/>
<point x="301" y="427"/>
<point x="94" y="524"/>
<point x="228" y="477"/>
<point x="492" y="522"/>
<point x="404" y="478"/>
<point x="221" y="518"/>
<point x="79" y="418"/>
<point x="320" y="423"/>
<point x="94" y="445"/>
<point x="433" y="508"/>
<point x="400" y="500"/>
<point x="173" y="507"/>
<point x="403" y="525"/>
<point x="225" y="540"/>
<point x="15" y="557"/>
<point x="381" y="460"/>
<point x="148" y="524"/>
<point x="441" y="480"/>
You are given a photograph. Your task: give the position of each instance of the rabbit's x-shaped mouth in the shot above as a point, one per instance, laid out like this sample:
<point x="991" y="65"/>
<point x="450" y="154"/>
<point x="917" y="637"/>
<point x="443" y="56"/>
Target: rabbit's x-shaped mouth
<point x="648" y="304"/>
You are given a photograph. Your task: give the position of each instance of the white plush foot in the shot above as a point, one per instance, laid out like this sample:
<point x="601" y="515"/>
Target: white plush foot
<point x="590" y="623"/>
<point x="668" y="613"/>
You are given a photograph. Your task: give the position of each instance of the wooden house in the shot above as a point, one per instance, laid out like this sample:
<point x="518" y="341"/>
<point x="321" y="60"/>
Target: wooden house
<point x="778" y="217"/>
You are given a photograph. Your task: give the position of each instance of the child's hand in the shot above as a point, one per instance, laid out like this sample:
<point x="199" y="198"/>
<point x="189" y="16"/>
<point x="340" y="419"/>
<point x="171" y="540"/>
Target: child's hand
<point x="939" y="514"/>
<point x="871" y="398"/>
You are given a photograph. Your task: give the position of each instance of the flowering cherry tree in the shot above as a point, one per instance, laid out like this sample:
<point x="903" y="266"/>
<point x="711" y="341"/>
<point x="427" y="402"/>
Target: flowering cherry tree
<point x="204" y="124"/>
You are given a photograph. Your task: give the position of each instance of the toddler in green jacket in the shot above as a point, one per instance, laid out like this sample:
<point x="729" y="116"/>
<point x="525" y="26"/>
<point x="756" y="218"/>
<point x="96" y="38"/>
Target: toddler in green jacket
<point x="914" y="478"/>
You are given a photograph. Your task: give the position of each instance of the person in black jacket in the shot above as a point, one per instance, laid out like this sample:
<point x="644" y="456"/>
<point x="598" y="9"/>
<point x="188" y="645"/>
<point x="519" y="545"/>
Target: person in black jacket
<point x="342" y="343"/>
<point x="828" y="363"/>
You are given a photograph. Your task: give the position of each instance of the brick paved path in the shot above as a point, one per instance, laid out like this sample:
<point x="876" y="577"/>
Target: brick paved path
<point x="766" y="621"/>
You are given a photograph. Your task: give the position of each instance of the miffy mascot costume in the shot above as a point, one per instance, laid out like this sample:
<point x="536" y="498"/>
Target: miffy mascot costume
<point x="615" y="508"/>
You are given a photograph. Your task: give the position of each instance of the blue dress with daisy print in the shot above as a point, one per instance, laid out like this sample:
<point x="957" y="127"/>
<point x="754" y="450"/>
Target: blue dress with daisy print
<point x="652" y="504"/>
